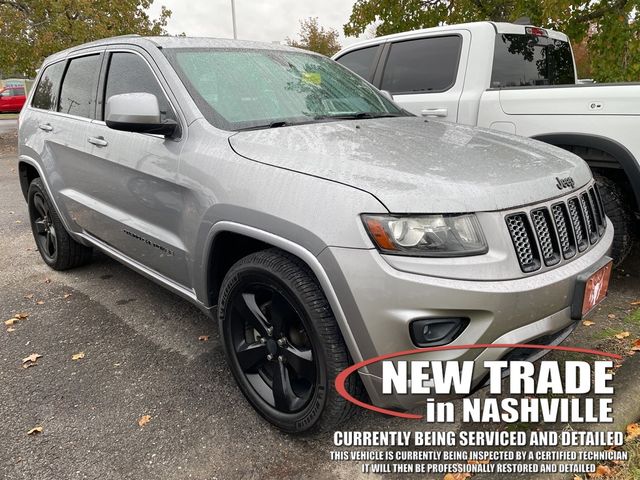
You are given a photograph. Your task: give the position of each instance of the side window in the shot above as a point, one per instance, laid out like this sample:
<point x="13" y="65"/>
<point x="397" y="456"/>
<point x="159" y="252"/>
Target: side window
<point x="77" y="96"/>
<point x="18" y="92"/>
<point x="46" y="94"/>
<point x="360" y="61"/>
<point x="423" y="65"/>
<point x="129" y="73"/>
<point x="5" y="93"/>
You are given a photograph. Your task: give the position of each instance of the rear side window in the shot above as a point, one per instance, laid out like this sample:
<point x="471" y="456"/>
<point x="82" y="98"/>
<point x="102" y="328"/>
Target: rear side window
<point x="360" y="61"/>
<point x="527" y="60"/>
<point x="129" y="73"/>
<point x="77" y="96"/>
<point x="18" y="91"/>
<point x="424" y="65"/>
<point x="46" y="94"/>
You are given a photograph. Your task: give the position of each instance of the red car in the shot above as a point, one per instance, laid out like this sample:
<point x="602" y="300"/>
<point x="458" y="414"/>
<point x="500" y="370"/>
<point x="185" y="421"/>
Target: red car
<point x="12" y="99"/>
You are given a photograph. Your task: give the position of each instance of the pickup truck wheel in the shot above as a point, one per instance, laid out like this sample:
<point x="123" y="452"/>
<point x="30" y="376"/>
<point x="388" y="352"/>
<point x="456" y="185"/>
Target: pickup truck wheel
<point x="57" y="248"/>
<point x="616" y="207"/>
<point x="282" y="342"/>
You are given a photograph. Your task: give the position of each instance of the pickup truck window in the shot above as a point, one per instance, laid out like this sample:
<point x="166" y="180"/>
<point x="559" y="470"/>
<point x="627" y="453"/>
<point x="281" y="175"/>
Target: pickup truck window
<point x="244" y="89"/>
<point x="360" y="61"/>
<point x="527" y="60"/>
<point x="46" y="94"/>
<point x="424" y="65"/>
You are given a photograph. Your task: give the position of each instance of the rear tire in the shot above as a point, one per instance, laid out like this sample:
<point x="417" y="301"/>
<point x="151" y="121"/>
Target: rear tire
<point x="56" y="247"/>
<point x="616" y="206"/>
<point x="272" y="307"/>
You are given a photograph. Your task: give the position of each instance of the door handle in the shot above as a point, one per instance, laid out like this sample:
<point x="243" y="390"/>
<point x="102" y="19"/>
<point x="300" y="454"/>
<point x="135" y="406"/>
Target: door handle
<point x="435" y="112"/>
<point x="45" y="126"/>
<point x="98" y="141"/>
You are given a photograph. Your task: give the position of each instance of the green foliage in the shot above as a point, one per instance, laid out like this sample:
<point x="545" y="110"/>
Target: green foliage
<point x="316" y="38"/>
<point x="611" y="27"/>
<point x="30" y="30"/>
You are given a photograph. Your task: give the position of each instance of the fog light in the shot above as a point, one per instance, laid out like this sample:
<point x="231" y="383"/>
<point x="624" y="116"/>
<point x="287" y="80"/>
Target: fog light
<point x="432" y="332"/>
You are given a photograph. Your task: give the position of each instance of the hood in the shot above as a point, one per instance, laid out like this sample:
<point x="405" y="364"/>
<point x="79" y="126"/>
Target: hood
<point x="416" y="166"/>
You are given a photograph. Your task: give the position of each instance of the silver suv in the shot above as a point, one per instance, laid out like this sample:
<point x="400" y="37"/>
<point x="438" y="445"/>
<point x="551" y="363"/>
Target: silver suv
<point x="326" y="224"/>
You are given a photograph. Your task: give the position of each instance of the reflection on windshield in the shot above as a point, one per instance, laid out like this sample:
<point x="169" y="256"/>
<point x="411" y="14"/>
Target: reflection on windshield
<point x="240" y="89"/>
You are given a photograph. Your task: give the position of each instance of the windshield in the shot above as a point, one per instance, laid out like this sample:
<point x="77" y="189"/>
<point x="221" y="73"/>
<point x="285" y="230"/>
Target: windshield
<point x="526" y="60"/>
<point x="245" y="89"/>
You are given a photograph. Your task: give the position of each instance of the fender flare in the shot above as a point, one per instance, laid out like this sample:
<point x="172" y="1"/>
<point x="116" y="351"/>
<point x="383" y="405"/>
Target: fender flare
<point x="630" y="165"/>
<point x="307" y="257"/>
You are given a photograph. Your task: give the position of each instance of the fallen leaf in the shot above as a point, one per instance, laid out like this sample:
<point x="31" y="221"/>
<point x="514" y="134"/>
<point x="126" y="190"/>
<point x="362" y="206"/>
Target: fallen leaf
<point x="143" y="420"/>
<point x="77" y="356"/>
<point x="18" y="221"/>
<point x="601" y="471"/>
<point x="456" y="476"/>
<point x="611" y="316"/>
<point x="40" y="302"/>
<point x="47" y="280"/>
<point x="34" y="430"/>
<point x="636" y="346"/>
<point x="11" y="329"/>
<point x="637" y="302"/>
<point x="11" y="321"/>
<point x="21" y="316"/>
<point x="577" y="477"/>
<point x="203" y="338"/>
<point x="29" y="296"/>
<point x="622" y="335"/>
<point x="478" y="462"/>
<point x="633" y="431"/>
<point x="588" y="323"/>
<point x="31" y="358"/>
<point x="67" y="295"/>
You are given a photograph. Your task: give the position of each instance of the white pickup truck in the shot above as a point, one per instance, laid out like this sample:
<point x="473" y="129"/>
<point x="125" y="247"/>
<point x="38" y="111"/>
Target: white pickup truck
<point x="518" y="79"/>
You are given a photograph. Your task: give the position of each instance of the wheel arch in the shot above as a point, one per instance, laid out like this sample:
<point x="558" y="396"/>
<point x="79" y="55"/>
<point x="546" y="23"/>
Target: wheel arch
<point x="27" y="172"/>
<point x="250" y="239"/>
<point x="619" y="153"/>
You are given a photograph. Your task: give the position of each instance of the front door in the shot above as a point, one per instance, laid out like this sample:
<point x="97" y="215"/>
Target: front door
<point x="137" y="203"/>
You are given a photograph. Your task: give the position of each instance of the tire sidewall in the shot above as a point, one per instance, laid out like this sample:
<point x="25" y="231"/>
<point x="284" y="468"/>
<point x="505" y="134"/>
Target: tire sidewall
<point x="311" y="414"/>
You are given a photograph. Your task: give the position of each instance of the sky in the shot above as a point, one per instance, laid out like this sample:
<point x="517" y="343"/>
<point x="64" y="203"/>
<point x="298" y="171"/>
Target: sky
<point x="267" y="21"/>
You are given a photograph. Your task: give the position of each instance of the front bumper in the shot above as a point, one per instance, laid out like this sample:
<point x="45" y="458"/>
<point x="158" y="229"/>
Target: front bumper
<point x="379" y="302"/>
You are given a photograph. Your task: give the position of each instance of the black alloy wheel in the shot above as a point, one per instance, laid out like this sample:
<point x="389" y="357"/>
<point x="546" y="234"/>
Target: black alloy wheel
<point x="272" y="346"/>
<point x="45" y="230"/>
<point x="56" y="247"/>
<point x="283" y="343"/>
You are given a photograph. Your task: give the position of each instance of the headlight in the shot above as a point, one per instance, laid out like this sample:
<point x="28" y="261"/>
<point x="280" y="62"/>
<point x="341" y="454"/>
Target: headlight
<point x="448" y="235"/>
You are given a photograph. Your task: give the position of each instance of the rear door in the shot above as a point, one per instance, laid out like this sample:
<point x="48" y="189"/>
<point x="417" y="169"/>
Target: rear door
<point x="137" y="204"/>
<point x="426" y="75"/>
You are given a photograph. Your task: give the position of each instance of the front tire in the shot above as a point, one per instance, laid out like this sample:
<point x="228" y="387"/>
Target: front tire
<point x="617" y="207"/>
<point x="282" y="342"/>
<point x="56" y="247"/>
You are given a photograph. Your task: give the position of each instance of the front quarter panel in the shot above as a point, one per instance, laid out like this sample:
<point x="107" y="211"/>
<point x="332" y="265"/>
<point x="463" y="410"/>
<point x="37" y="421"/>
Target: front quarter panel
<point x="221" y="185"/>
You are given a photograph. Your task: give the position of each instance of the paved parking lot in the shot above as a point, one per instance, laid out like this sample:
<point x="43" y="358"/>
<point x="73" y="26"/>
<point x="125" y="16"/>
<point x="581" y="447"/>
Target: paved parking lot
<point x="142" y="356"/>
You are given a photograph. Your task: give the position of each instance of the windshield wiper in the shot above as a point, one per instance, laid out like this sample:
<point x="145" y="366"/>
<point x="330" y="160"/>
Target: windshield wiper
<point x="358" y="115"/>
<point x="276" y="124"/>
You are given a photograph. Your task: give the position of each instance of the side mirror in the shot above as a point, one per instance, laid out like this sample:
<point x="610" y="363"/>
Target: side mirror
<point x="387" y="95"/>
<point x="137" y="112"/>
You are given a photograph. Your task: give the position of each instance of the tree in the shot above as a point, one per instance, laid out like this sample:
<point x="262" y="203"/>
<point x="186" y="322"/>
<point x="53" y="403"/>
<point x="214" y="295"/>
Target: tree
<point x="316" y="38"/>
<point x="30" y="30"/>
<point x="609" y="28"/>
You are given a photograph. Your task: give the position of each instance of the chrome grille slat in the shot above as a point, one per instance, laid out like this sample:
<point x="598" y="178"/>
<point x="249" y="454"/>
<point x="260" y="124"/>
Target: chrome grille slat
<point x="551" y="234"/>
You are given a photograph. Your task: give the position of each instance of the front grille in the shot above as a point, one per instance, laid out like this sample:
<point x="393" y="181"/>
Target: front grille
<point x="551" y="234"/>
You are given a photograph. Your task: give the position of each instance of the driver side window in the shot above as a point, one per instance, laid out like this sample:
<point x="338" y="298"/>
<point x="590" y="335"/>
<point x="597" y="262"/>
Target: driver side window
<point x="129" y="73"/>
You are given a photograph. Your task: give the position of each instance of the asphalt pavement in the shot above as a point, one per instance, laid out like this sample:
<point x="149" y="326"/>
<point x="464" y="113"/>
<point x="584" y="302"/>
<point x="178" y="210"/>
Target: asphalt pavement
<point x="143" y="354"/>
<point x="8" y="125"/>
